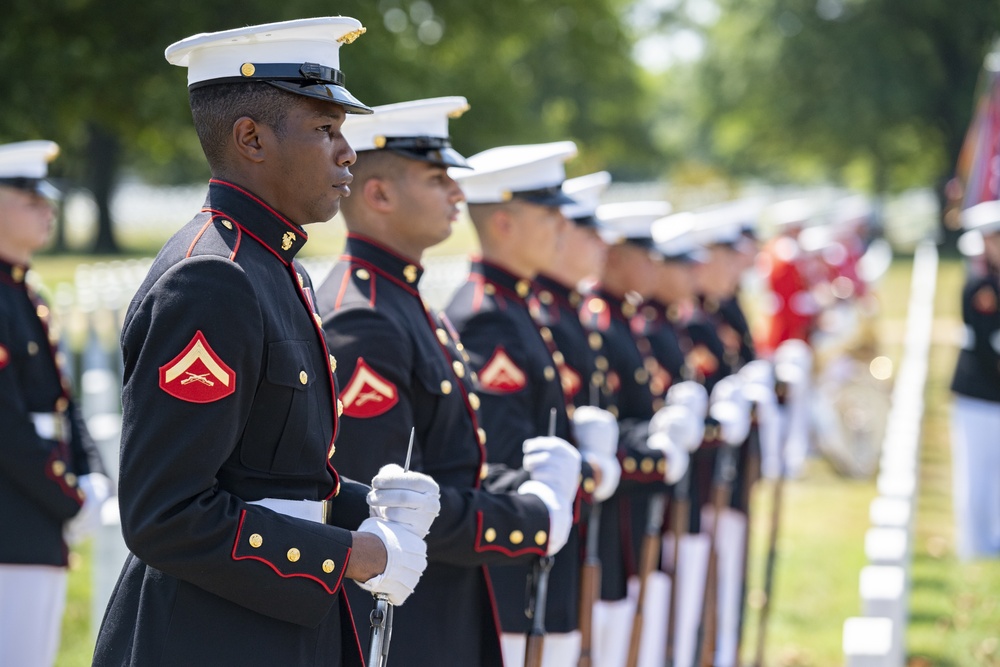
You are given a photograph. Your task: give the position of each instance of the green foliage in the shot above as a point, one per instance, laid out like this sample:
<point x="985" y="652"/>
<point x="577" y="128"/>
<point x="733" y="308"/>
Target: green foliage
<point x="874" y="93"/>
<point x="532" y="72"/>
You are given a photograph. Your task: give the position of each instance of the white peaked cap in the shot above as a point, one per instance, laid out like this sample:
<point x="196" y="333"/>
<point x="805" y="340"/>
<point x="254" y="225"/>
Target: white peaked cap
<point x="674" y="236"/>
<point x="417" y="129"/>
<point x="852" y="209"/>
<point x="586" y="191"/>
<point x="631" y="221"/>
<point x="532" y="172"/>
<point x="792" y="212"/>
<point x="300" y="56"/>
<point x="983" y="218"/>
<point x="27" y="159"/>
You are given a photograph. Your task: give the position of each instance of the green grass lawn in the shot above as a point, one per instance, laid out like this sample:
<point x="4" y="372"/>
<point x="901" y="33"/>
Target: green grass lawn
<point x="955" y="608"/>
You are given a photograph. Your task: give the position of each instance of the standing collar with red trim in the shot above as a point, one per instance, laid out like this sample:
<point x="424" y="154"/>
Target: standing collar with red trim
<point x="390" y="262"/>
<point x="12" y="273"/>
<point x="283" y="237"/>
<point x="502" y="278"/>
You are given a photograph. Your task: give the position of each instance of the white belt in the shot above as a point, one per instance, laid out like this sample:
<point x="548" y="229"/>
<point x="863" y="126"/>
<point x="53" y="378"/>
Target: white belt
<point x="51" y="425"/>
<point x="310" y="510"/>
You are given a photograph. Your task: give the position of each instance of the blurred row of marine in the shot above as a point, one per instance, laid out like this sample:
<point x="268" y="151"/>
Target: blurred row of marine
<point x="590" y="395"/>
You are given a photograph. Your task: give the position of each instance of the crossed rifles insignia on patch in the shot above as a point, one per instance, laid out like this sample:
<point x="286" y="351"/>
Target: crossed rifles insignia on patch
<point x="197" y="374"/>
<point x="367" y="393"/>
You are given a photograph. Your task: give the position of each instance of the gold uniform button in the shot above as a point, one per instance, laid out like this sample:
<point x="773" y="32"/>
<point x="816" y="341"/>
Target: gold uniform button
<point x="613" y="409"/>
<point x="597" y="378"/>
<point x="490" y="289"/>
<point x="546" y="334"/>
<point x="293" y="555"/>
<point x="256" y="540"/>
<point x="333" y="363"/>
<point x="333" y="449"/>
<point x="540" y="537"/>
<point x="647" y="465"/>
<point x="589" y="485"/>
<point x="641" y="375"/>
<point x="58" y="468"/>
<point x="445" y="387"/>
<point x="595" y="306"/>
<point x="459" y="368"/>
<point x="558" y="357"/>
<point x="661" y="466"/>
<point x="70" y="479"/>
<point x="303" y="377"/>
<point x="516" y="537"/>
<point x="17" y="273"/>
<point x="363" y="274"/>
<point x="42" y="311"/>
<point x="459" y="347"/>
<point x="474" y="401"/>
<point x="319" y="320"/>
<point x="62" y="404"/>
<point x="628" y="310"/>
<point x="570" y="409"/>
<point x="484" y="471"/>
<point x="328" y="566"/>
<point x="628" y="465"/>
<point x="490" y="535"/>
<point x="32" y="348"/>
<point x="550" y="373"/>
<point x="229" y="225"/>
<point x="442" y="336"/>
<point x="340" y="407"/>
<point x="545" y="297"/>
<point x="482" y="435"/>
<point x="601" y="362"/>
<point x="594" y="340"/>
<point x="522" y="288"/>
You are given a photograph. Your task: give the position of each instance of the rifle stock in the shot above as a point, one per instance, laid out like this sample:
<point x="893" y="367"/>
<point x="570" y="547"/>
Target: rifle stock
<point x="680" y="523"/>
<point x="648" y="560"/>
<point x="590" y="589"/>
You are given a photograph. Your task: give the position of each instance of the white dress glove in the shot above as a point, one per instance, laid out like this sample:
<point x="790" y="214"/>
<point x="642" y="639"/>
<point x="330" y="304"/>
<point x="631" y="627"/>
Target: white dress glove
<point x="731" y="409"/>
<point x="406" y="559"/>
<point x="96" y="489"/>
<point x="691" y="395"/>
<point x="680" y="425"/>
<point x="408" y="498"/>
<point x="677" y="457"/>
<point x="793" y="366"/>
<point x="596" y="433"/>
<point x="554" y="466"/>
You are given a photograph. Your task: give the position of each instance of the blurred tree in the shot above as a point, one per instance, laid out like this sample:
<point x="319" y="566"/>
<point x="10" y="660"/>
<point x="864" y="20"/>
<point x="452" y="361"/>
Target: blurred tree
<point x="90" y="74"/>
<point x="871" y="93"/>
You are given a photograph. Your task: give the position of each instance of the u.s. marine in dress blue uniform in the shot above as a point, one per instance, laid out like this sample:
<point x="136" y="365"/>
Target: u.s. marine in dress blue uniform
<point x="976" y="388"/>
<point x="229" y="398"/>
<point x="39" y="491"/>
<point x="519" y="386"/>
<point x="408" y="367"/>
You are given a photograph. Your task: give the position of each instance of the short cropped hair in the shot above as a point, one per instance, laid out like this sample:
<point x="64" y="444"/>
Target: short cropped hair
<point x="215" y="108"/>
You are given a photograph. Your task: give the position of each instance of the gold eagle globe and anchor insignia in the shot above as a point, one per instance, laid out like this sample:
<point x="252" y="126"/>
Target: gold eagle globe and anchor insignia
<point x="287" y="240"/>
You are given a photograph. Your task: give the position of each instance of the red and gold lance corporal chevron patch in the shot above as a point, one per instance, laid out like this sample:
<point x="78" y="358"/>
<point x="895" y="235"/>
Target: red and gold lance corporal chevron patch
<point x="367" y="393"/>
<point x="501" y="374"/>
<point x="197" y="374"/>
<point x="570" y="379"/>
